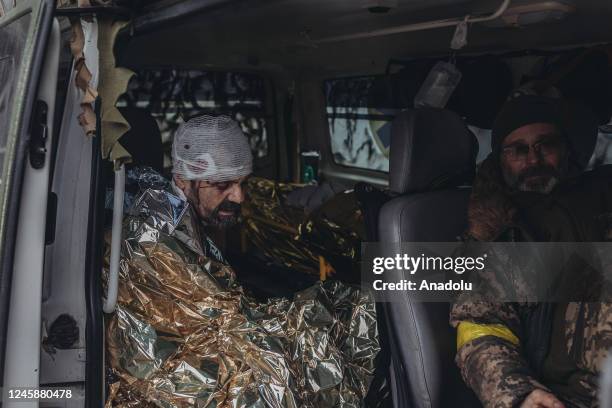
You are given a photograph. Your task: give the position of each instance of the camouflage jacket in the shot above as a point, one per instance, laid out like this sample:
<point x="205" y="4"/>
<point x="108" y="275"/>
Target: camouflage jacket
<point x="497" y="341"/>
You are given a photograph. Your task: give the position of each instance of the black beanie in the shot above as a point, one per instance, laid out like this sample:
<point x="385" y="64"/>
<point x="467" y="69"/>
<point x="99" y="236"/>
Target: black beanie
<point x="577" y="123"/>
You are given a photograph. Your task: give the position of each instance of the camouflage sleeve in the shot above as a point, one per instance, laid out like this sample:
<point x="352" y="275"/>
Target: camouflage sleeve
<point x="496" y="371"/>
<point x="490" y="359"/>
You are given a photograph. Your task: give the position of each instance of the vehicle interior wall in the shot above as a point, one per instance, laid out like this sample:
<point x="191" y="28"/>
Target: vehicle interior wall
<point x="64" y="317"/>
<point x="292" y="43"/>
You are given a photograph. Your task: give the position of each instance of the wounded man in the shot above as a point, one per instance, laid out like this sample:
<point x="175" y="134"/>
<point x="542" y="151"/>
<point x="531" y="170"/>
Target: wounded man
<point x="184" y="333"/>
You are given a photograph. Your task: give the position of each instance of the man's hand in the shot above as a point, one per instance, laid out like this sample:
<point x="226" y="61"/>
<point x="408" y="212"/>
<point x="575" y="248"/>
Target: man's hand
<point x="541" y="399"/>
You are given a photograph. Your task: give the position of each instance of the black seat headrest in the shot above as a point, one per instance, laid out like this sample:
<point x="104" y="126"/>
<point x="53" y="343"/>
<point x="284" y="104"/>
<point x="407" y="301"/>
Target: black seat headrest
<point x="430" y="148"/>
<point x="143" y="141"/>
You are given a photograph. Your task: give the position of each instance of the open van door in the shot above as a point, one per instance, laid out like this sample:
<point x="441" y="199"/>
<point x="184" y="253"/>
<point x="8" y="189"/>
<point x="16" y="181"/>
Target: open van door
<point x="29" y="52"/>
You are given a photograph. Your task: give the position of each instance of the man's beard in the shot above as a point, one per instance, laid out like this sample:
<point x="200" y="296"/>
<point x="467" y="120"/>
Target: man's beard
<point x="547" y="178"/>
<point x="219" y="221"/>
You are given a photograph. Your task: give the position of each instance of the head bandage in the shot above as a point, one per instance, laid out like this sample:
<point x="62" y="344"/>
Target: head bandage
<point x="211" y="148"/>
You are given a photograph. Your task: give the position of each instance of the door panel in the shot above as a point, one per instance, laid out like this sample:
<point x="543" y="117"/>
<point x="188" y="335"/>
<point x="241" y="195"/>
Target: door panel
<point x="23" y="32"/>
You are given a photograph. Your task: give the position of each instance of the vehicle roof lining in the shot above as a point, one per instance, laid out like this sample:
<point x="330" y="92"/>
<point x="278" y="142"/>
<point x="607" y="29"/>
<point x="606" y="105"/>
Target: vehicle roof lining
<point x="268" y="35"/>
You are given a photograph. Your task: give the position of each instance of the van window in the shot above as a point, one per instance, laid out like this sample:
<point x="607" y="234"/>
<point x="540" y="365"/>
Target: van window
<point x="174" y="96"/>
<point x="359" y="114"/>
<point x="484" y="142"/>
<point x="603" y="148"/>
<point x="11" y="51"/>
<point x="359" y="121"/>
<point x="360" y="111"/>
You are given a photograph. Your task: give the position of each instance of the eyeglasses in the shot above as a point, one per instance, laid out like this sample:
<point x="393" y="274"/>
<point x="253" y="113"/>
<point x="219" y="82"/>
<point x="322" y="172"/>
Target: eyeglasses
<point x="520" y="151"/>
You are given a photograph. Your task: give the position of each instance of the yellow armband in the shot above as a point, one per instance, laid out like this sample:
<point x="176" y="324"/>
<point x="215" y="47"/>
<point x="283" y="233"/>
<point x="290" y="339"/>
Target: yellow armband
<point x="468" y="331"/>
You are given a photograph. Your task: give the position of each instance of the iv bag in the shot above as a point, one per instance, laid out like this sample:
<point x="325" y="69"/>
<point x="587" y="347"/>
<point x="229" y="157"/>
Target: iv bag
<point x="438" y="86"/>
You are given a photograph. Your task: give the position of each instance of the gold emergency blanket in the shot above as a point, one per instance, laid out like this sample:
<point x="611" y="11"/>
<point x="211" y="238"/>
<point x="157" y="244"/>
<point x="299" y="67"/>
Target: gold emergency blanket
<point x="185" y="335"/>
<point x="289" y="236"/>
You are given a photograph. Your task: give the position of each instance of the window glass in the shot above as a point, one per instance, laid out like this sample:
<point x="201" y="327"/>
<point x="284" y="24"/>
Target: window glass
<point x="603" y="151"/>
<point x="603" y="148"/>
<point x="359" y="115"/>
<point x="11" y="52"/>
<point x="18" y="34"/>
<point x="174" y="96"/>
<point x="484" y="142"/>
<point x="360" y="137"/>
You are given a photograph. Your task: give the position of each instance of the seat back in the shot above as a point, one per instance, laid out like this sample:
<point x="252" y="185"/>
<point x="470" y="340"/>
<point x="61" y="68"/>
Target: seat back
<point x="143" y="141"/>
<point x="432" y="155"/>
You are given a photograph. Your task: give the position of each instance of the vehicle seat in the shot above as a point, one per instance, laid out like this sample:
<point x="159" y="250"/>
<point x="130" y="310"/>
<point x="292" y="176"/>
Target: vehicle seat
<point x="143" y="140"/>
<point x="432" y="159"/>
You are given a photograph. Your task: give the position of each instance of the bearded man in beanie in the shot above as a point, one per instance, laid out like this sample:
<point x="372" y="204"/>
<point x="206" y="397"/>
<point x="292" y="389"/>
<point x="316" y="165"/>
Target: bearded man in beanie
<point x="532" y="188"/>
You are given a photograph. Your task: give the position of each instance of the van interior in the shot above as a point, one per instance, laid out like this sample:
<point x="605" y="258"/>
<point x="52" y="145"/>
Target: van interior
<point x="316" y="85"/>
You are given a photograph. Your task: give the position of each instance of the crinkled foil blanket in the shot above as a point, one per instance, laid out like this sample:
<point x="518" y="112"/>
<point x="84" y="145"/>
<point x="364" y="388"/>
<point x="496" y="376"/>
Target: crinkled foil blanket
<point x="288" y="236"/>
<point x="185" y="335"/>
